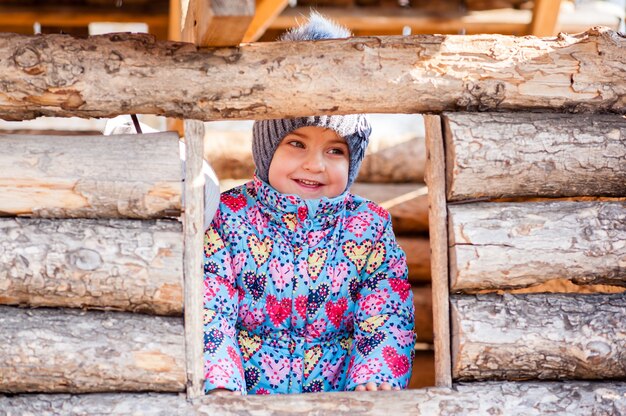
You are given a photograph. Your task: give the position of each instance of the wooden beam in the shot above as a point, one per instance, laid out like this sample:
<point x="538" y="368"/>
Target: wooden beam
<point x="507" y="245"/>
<point x="538" y="336"/>
<point x="69" y="351"/>
<point x="90" y="176"/>
<point x="266" y="12"/>
<point x="126" y="265"/>
<point x="217" y="22"/>
<point x="574" y="398"/>
<point x="193" y="257"/>
<point x="437" y="219"/>
<point x="545" y="17"/>
<point x="527" y="154"/>
<point x="122" y="73"/>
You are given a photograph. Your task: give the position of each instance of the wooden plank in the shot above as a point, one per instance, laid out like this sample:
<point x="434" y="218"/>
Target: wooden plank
<point x="545" y="17"/>
<point x="133" y="176"/>
<point x="410" y="74"/>
<point x="68" y="351"/>
<point x="526" y="154"/>
<point x="574" y="398"/>
<point x="437" y="219"/>
<point x="108" y="264"/>
<point x="217" y="22"/>
<point x="520" y="337"/>
<point x="507" y="245"/>
<point x="266" y="12"/>
<point x="193" y="257"/>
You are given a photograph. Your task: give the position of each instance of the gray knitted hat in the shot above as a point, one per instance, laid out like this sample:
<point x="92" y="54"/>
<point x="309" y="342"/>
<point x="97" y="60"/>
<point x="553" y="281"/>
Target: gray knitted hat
<point x="354" y="129"/>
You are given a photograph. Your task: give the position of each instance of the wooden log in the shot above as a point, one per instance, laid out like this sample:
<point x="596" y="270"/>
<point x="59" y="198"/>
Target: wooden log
<point x="134" y="176"/>
<point x="103" y="76"/>
<point x="407" y="204"/>
<point x="423" y="374"/>
<point x="217" y="22"/>
<point x="520" y="337"/>
<point x="68" y="351"/>
<point x="108" y="264"/>
<point x="496" y="155"/>
<point x="508" y="245"/>
<point x="423" y="302"/>
<point x="417" y="250"/>
<point x="437" y="218"/>
<point x="575" y="398"/>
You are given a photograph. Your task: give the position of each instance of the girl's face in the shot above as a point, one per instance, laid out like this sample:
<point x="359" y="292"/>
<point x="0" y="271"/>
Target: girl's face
<point x="311" y="162"/>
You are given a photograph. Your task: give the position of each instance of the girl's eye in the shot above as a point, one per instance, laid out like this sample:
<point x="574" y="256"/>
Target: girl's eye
<point x="336" y="151"/>
<point x="295" y="143"/>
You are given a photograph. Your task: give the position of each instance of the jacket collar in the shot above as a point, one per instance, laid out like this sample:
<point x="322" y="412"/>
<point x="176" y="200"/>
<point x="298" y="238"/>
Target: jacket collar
<point x="294" y="212"/>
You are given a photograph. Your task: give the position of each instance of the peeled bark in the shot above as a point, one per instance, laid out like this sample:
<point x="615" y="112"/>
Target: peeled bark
<point x="575" y="398"/>
<point x="108" y="264"/>
<point x="103" y="76"/>
<point x="506" y="245"/>
<point x="66" y="351"/>
<point x="521" y="337"/>
<point x="528" y="154"/>
<point x="123" y="176"/>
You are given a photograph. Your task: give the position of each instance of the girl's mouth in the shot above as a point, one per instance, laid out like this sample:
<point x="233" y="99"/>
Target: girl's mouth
<point x="308" y="184"/>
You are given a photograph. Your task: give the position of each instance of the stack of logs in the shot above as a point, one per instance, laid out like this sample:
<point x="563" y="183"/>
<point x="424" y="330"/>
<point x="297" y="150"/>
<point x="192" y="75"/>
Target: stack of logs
<point x="392" y="175"/>
<point x="91" y="247"/>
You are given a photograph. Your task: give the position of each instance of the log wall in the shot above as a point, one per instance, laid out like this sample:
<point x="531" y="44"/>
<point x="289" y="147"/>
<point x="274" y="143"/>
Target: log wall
<point x="506" y="245"/>
<point x="69" y="351"/>
<point x="499" y="155"/>
<point x="128" y="265"/>
<point x="125" y="176"/>
<point x="103" y="76"/>
<point x="522" y="337"/>
<point x="529" y="399"/>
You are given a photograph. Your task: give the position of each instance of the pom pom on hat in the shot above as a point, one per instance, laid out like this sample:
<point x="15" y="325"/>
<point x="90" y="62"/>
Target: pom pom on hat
<point x="354" y="129"/>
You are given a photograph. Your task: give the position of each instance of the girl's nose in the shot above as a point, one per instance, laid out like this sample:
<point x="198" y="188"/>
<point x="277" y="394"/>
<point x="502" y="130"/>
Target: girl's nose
<point x="314" y="162"/>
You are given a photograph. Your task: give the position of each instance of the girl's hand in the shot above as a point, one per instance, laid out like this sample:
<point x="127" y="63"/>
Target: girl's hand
<point x="371" y="386"/>
<point x="225" y="392"/>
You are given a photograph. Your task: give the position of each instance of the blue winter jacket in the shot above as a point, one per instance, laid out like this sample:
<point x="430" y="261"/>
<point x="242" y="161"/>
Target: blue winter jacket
<point x="304" y="296"/>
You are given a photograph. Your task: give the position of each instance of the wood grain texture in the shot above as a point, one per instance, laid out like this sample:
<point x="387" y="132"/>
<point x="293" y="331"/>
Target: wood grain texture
<point x="68" y="351"/>
<point x="508" y="245"/>
<point x="516" y="399"/>
<point x="217" y="22"/>
<point x="526" y="154"/>
<point x="437" y="219"/>
<point x="107" y="264"/>
<point x="123" y="176"/>
<point x="194" y="257"/>
<point x="520" y="337"/>
<point x="102" y="76"/>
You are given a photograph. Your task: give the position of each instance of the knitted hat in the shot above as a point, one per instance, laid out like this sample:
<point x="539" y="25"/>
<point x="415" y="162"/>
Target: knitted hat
<point x="354" y="129"/>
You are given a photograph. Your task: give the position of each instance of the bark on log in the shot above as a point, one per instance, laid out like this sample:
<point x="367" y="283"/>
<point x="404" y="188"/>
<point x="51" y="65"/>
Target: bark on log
<point x="423" y="302"/>
<point x="67" y="351"/>
<point x="103" y="76"/>
<point x="520" y="337"/>
<point x="109" y="264"/>
<point x="496" y="155"/>
<point x="528" y="399"/>
<point x="133" y="176"/>
<point x="417" y="250"/>
<point x="506" y="245"/>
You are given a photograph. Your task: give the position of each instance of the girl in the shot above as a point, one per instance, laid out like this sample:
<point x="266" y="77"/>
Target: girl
<point x="305" y="285"/>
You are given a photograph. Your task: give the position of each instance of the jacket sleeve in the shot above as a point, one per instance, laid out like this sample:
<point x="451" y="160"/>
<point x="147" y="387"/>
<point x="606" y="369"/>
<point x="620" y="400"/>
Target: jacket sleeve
<point x="382" y="348"/>
<point x="222" y="357"/>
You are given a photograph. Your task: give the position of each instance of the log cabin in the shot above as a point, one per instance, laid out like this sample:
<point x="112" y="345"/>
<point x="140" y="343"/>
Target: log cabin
<point x="526" y="174"/>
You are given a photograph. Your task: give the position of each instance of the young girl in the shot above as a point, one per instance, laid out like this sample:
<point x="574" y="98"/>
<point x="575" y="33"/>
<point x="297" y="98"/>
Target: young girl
<point x="305" y="285"/>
